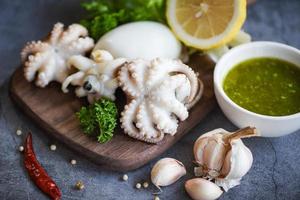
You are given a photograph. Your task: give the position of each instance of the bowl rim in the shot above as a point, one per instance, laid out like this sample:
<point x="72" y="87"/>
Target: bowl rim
<point x="218" y="82"/>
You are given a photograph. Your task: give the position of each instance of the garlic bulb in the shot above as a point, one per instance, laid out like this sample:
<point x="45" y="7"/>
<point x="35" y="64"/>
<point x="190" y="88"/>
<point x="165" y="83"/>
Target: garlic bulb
<point x="201" y="189"/>
<point x="167" y="171"/>
<point x="222" y="156"/>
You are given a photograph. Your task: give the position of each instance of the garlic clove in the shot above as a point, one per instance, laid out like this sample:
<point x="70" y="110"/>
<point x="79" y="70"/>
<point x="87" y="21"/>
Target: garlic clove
<point x="167" y="171"/>
<point x="214" y="153"/>
<point x="199" y="146"/>
<point x="202" y="141"/>
<point x="237" y="163"/>
<point x="210" y="151"/>
<point x="202" y="189"/>
<point x="227" y="164"/>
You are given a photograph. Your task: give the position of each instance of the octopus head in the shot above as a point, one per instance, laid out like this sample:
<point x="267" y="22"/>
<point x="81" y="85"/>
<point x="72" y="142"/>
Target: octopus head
<point x="91" y="84"/>
<point x="99" y="85"/>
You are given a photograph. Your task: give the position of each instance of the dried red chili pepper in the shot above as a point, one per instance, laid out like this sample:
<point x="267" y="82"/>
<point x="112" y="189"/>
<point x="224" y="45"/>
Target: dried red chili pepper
<point x="37" y="173"/>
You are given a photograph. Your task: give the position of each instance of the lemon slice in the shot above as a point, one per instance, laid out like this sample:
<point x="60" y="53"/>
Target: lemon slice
<point x="206" y="24"/>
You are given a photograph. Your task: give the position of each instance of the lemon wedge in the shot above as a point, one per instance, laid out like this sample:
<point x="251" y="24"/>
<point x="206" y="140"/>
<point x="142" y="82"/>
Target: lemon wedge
<point x="206" y="24"/>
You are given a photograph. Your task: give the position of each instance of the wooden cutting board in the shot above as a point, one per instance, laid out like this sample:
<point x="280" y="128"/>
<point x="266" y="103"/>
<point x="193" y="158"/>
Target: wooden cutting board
<point x="55" y="111"/>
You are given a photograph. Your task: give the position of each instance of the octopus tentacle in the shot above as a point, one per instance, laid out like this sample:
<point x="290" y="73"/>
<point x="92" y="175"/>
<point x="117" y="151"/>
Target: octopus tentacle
<point x="167" y="66"/>
<point x="169" y="102"/>
<point x="74" y="79"/>
<point x="128" y="117"/>
<point x="126" y="83"/>
<point x="45" y="74"/>
<point x="81" y="45"/>
<point x="33" y="64"/>
<point x="137" y="72"/>
<point x="111" y="68"/>
<point x="162" y="119"/>
<point x="144" y="124"/>
<point x="33" y="48"/>
<point x="182" y="92"/>
<point x="56" y="32"/>
<point x="80" y="62"/>
<point x="198" y="96"/>
<point x="73" y="32"/>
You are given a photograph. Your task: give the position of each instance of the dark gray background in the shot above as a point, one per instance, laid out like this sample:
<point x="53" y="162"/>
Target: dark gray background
<point x="275" y="173"/>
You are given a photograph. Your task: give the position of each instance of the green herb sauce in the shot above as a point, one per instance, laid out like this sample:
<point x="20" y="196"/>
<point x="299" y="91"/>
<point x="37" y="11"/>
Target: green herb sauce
<point x="267" y="86"/>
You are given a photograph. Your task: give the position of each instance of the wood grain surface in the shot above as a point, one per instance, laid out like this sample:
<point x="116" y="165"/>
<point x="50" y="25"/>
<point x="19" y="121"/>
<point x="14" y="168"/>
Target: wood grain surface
<point x="55" y="111"/>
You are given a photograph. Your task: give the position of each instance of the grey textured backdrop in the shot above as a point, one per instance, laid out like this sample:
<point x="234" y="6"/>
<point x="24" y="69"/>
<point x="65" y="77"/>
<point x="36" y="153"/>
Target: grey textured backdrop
<point x="275" y="173"/>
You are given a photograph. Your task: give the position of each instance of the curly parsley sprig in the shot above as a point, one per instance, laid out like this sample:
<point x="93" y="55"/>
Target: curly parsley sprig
<point x="99" y="118"/>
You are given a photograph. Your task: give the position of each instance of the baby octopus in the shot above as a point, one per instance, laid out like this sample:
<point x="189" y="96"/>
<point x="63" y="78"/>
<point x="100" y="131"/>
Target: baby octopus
<point x="95" y="77"/>
<point x="159" y="93"/>
<point x="46" y="60"/>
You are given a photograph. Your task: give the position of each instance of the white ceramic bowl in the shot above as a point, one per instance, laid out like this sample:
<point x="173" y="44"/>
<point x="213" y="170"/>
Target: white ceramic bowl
<point x="269" y="126"/>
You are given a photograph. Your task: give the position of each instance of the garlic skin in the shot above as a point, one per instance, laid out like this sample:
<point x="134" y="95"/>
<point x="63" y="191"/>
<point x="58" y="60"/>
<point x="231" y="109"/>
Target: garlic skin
<point x="202" y="189"/>
<point x="167" y="171"/>
<point x="222" y="156"/>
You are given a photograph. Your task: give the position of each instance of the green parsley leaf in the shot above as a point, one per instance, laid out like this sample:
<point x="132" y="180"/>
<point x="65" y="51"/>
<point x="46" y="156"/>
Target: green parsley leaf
<point x="99" y="118"/>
